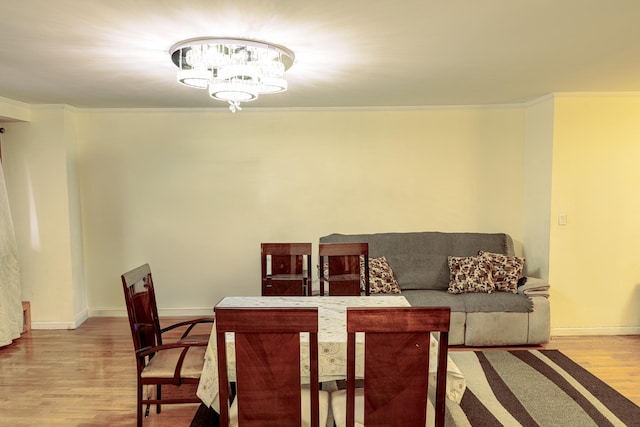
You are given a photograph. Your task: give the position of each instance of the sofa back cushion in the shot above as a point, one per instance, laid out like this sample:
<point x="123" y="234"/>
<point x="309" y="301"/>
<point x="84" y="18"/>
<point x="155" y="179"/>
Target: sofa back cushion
<point x="419" y="259"/>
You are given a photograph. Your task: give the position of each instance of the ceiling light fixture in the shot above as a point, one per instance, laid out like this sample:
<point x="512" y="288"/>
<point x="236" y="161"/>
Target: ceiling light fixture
<point x="233" y="70"/>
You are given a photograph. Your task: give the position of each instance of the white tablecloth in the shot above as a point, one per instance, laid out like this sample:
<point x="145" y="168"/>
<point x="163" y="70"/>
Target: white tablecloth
<point x="332" y="341"/>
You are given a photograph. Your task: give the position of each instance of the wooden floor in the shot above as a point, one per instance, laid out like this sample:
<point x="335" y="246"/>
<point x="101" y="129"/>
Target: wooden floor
<point x="86" y="377"/>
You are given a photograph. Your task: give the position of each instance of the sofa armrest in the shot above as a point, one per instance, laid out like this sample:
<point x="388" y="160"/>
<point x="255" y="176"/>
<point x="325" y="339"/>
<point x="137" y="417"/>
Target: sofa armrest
<point x="535" y="287"/>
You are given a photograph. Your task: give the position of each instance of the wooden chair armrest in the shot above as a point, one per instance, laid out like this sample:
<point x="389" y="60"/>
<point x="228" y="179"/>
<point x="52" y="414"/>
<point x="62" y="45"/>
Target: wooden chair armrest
<point x="147" y="351"/>
<point x="191" y="323"/>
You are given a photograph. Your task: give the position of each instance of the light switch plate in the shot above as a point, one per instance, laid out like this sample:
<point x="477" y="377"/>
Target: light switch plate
<point x="562" y="219"/>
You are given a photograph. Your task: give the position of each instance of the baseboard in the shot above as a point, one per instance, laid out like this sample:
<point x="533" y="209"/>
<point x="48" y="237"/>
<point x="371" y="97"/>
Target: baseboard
<point x="53" y="325"/>
<point x="162" y="312"/>
<point x="107" y="312"/>
<point x="208" y="311"/>
<point x="182" y="312"/>
<point x="617" y="330"/>
<point x="79" y="319"/>
<point x="120" y="312"/>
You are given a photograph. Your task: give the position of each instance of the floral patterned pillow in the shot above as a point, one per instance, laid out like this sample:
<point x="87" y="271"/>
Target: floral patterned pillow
<point x="381" y="279"/>
<point x="505" y="270"/>
<point x="469" y="274"/>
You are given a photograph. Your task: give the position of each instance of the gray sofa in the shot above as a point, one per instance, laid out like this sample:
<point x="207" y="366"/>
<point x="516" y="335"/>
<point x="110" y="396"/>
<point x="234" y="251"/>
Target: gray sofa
<point x="419" y="264"/>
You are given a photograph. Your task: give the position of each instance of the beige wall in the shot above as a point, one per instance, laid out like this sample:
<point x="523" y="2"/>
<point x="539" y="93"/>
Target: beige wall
<point x="41" y="183"/>
<point x="594" y="264"/>
<point x="194" y="193"/>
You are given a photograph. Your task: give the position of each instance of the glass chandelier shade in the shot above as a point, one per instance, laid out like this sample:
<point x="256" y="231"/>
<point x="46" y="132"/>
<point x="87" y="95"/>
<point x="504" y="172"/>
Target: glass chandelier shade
<point x="233" y="70"/>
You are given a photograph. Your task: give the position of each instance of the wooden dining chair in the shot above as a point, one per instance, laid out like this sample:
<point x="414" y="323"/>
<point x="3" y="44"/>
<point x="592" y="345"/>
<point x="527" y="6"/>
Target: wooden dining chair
<point x="345" y="267"/>
<point x="177" y="364"/>
<point x="396" y="367"/>
<point x="268" y="381"/>
<point x="286" y="268"/>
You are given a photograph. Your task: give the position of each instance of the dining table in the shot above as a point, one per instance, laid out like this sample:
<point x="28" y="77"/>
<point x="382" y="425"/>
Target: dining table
<point x="332" y="341"/>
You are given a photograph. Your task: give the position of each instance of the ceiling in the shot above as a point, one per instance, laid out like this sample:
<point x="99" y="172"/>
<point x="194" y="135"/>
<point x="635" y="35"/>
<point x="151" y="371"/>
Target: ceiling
<point x="349" y="53"/>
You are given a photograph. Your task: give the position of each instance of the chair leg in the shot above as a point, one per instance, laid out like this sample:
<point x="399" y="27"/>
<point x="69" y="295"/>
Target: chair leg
<point x="158" y="396"/>
<point x="139" y="406"/>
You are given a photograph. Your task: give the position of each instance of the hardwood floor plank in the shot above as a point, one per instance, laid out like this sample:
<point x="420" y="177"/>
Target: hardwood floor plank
<point x="86" y="376"/>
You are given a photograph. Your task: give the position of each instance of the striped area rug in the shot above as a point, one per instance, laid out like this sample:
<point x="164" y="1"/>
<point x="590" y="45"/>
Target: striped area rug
<point x="535" y="388"/>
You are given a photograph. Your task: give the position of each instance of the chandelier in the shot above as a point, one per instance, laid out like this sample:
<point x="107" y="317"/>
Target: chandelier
<point x="233" y="70"/>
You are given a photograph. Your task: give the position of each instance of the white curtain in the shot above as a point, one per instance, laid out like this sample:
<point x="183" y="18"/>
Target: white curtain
<point x="10" y="293"/>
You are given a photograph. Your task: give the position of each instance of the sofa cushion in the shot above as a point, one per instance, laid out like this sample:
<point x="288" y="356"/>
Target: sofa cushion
<point x="469" y="274"/>
<point x="505" y="270"/>
<point x="488" y="329"/>
<point x="496" y="302"/>
<point x="419" y="259"/>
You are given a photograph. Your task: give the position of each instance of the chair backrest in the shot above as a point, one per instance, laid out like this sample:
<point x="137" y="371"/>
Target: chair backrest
<point x="286" y="268"/>
<point x="140" y="298"/>
<point x="396" y="363"/>
<point x="346" y="264"/>
<point x="267" y="361"/>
